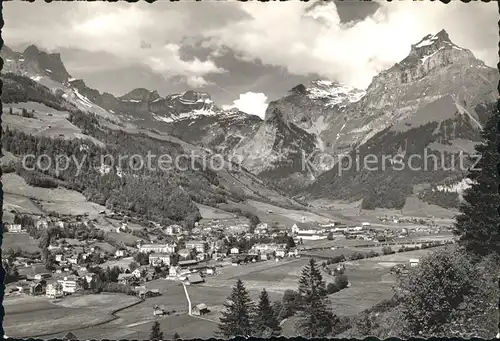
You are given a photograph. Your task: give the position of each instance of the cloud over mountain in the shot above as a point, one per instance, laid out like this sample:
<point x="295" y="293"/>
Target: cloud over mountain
<point x="251" y="103"/>
<point x="323" y="39"/>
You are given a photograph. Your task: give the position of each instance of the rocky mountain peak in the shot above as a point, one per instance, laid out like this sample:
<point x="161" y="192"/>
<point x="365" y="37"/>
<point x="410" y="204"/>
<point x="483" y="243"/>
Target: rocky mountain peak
<point x="141" y="94"/>
<point x="7" y="52"/>
<point x="77" y="83"/>
<point x="49" y="64"/>
<point x="196" y="96"/>
<point x="431" y="45"/>
<point x="30" y="51"/>
<point x="299" y="89"/>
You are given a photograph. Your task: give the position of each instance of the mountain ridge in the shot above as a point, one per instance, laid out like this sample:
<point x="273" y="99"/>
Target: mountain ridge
<point x="322" y="117"/>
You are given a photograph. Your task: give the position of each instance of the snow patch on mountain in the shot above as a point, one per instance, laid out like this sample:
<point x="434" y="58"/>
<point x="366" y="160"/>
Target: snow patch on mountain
<point x="424" y="58"/>
<point x="334" y="93"/>
<point x="428" y="40"/>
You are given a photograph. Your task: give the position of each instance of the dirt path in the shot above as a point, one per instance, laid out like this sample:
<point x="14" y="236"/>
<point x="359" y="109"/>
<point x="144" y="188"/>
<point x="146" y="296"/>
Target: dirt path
<point x="190" y="307"/>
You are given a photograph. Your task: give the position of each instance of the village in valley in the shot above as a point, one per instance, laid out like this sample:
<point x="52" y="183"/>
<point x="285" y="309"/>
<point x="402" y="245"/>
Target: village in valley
<point x="172" y="271"/>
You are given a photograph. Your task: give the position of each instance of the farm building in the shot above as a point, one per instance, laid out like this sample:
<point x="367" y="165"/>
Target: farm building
<point x="144" y="292"/>
<point x="42" y="276"/>
<point x="23" y="287"/>
<point x="194" y="279"/>
<point x="200" y="309"/>
<point x="235" y="251"/>
<point x="159" y="310"/>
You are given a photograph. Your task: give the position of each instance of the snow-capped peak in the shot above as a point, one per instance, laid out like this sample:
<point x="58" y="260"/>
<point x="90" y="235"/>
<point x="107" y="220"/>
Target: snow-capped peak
<point x="430" y="39"/>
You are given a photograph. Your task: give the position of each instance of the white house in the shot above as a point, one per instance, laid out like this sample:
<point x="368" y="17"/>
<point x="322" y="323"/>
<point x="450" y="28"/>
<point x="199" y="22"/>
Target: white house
<point x="174" y="271"/>
<point x="15" y="228"/>
<point x="261" y="228"/>
<point x="69" y="284"/>
<point x="54" y="290"/>
<point x="137" y="273"/>
<point x="235" y="251"/>
<point x="414" y="262"/>
<point x="198" y="245"/>
<point x="120" y="253"/>
<point x="42" y="224"/>
<point x="281" y="252"/>
<point x="158" y="248"/>
<point x="59" y="257"/>
<point x="157" y="259"/>
<point x="173" y="230"/>
<point x="90" y="277"/>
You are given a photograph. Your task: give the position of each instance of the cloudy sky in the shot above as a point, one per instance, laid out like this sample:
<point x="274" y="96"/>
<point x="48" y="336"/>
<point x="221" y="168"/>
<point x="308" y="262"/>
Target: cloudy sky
<point x="243" y="53"/>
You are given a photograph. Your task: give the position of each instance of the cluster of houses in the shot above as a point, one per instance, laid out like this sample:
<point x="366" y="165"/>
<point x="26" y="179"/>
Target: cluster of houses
<point x="45" y="283"/>
<point x="313" y="231"/>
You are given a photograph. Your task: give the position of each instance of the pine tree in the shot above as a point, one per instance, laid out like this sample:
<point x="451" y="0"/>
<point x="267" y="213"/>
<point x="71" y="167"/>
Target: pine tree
<point x="176" y="336"/>
<point x="311" y="278"/>
<point x="266" y="322"/>
<point x="156" y="334"/>
<point x="315" y="318"/>
<point x="236" y="320"/>
<point x="478" y="225"/>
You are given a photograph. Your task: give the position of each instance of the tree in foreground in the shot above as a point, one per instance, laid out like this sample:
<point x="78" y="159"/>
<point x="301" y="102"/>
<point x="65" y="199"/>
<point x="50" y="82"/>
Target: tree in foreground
<point x="236" y="320"/>
<point x="266" y="322"/>
<point x="156" y="333"/>
<point x="450" y="295"/>
<point x="176" y="336"/>
<point x="315" y="319"/>
<point x="478" y="225"/>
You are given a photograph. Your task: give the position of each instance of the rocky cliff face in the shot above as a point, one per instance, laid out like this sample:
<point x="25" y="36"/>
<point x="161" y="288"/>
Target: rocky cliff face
<point x="45" y="63"/>
<point x="438" y="82"/>
<point x="432" y="101"/>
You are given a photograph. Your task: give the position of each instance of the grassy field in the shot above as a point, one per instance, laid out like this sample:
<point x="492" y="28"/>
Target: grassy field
<point x="272" y="214"/>
<point x="61" y="200"/>
<point x="351" y="211"/>
<point x="273" y="276"/>
<point x="47" y="122"/>
<point x="19" y="240"/>
<point x="27" y="316"/>
<point x="370" y="281"/>
<point x="121" y="263"/>
<point x="136" y="322"/>
<point x="19" y="203"/>
<point x="208" y="212"/>
<point x="126" y="238"/>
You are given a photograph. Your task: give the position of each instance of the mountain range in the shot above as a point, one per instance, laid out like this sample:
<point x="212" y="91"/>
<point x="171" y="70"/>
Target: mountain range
<point x="433" y="101"/>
